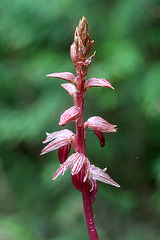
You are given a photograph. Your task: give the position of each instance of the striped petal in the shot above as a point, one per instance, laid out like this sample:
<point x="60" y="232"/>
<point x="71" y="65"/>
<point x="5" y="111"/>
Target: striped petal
<point x="70" y="77"/>
<point x="100" y="175"/>
<point x="55" y="144"/>
<point x="62" y="169"/>
<point x="64" y="132"/>
<point x="78" y="162"/>
<point x="70" y="115"/>
<point x="99" y="124"/>
<point x="97" y="82"/>
<point x="70" y="88"/>
<point x="87" y="169"/>
<point x="75" y="161"/>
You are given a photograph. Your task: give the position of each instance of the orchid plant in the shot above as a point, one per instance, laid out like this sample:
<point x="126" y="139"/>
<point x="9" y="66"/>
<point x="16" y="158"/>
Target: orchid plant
<point x="84" y="174"/>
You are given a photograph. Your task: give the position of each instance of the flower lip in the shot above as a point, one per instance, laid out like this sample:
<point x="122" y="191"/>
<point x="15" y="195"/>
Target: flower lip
<point x="101" y="137"/>
<point x="63" y="153"/>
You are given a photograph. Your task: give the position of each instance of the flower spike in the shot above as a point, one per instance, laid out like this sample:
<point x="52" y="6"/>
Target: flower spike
<point x="70" y="77"/>
<point x="84" y="175"/>
<point x="71" y="114"/>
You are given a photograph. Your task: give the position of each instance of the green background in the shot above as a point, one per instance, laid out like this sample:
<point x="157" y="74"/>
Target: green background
<point x="35" y="39"/>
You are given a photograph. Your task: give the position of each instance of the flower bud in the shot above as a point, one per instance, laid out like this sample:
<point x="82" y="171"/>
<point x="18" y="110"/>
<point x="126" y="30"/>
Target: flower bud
<point x="73" y="53"/>
<point x="82" y="44"/>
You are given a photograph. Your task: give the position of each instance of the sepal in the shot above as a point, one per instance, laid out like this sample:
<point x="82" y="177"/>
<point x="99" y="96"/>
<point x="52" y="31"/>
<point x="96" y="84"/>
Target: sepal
<point x="97" y="82"/>
<point x="70" y="88"/>
<point x="62" y="133"/>
<point x="87" y="61"/>
<point x="55" y="144"/>
<point x="100" y="175"/>
<point x="71" y="114"/>
<point x="70" y="77"/>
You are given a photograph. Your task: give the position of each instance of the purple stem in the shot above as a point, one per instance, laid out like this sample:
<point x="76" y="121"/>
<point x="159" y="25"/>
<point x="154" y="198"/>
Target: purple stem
<point x="82" y="149"/>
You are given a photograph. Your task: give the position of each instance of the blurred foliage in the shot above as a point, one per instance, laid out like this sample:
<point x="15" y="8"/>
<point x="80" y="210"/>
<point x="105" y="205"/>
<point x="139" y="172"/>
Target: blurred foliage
<point x="35" y="40"/>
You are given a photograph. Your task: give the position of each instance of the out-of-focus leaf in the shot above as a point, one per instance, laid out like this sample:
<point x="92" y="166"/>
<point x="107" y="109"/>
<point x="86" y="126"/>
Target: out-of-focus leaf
<point x="150" y="88"/>
<point x="12" y="227"/>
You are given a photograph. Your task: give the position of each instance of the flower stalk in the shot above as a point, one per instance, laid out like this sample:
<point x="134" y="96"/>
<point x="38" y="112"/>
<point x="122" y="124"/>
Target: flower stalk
<point x="84" y="175"/>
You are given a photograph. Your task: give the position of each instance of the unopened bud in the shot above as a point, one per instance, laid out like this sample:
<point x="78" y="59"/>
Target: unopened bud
<point x="82" y="44"/>
<point x="73" y="53"/>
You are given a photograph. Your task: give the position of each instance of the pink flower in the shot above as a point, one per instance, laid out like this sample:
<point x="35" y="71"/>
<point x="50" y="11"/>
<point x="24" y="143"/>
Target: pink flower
<point x="99" y="124"/>
<point x="78" y="162"/>
<point x="64" y="75"/>
<point x="71" y="114"/>
<point x="75" y="161"/>
<point x="61" y="138"/>
<point x="95" y="174"/>
<point x="97" y="82"/>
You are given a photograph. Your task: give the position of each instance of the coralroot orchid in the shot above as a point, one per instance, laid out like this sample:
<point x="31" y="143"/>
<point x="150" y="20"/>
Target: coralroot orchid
<point x="84" y="174"/>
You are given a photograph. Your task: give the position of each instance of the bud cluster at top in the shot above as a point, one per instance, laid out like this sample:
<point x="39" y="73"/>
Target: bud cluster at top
<point x="82" y="44"/>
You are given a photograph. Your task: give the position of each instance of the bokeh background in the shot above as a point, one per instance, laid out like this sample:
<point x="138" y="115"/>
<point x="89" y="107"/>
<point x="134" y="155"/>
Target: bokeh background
<point x="35" y="39"/>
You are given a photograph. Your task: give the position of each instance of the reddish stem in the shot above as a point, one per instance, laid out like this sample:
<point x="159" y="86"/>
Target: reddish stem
<point x="82" y="149"/>
<point x="89" y="212"/>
